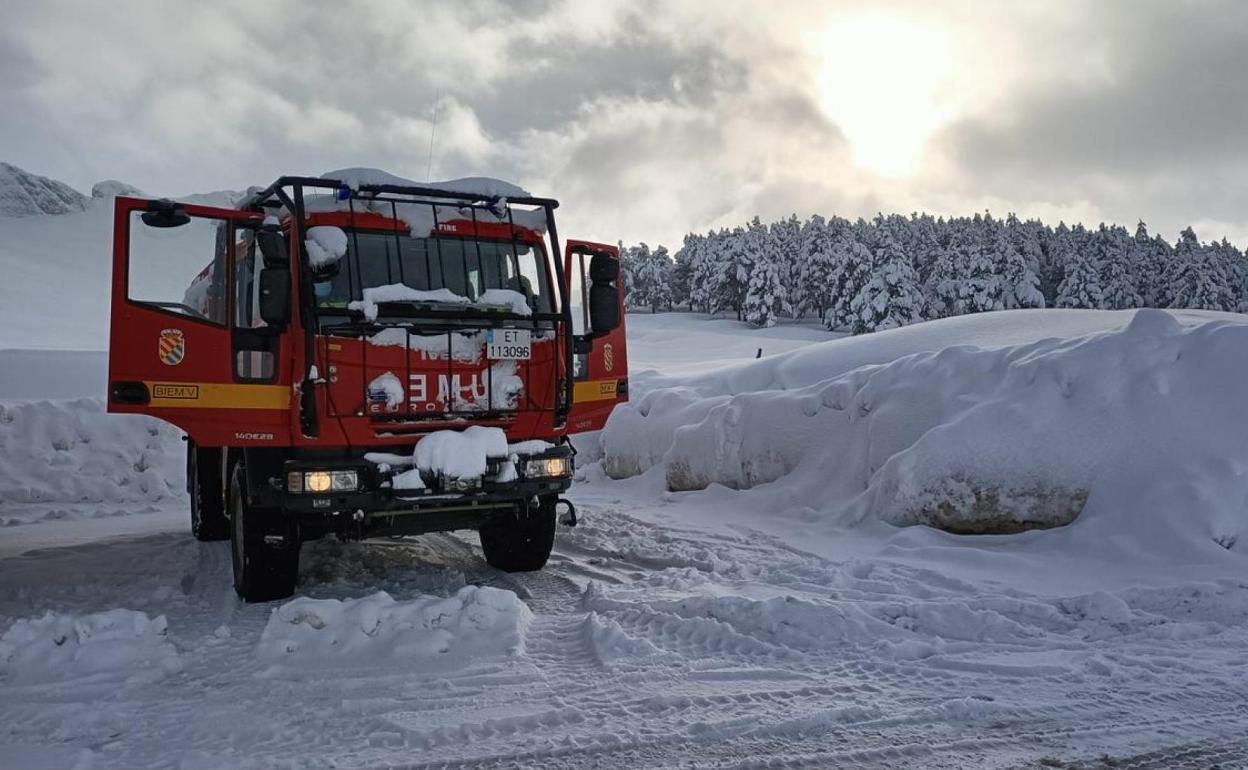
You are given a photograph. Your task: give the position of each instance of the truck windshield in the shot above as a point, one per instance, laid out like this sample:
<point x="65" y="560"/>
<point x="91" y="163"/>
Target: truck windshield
<point x="467" y="267"/>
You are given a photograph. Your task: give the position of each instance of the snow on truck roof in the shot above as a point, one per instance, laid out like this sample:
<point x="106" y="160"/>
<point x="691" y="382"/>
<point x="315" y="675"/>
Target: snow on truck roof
<point x="355" y="178"/>
<point x="421" y="217"/>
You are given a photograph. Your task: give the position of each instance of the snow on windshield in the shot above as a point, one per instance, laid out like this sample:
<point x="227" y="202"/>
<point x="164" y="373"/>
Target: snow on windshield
<point x="397" y="292"/>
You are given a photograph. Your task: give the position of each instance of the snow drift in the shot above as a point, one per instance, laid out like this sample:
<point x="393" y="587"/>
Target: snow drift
<point x="74" y="451"/>
<point x="1143" y="424"/>
<point x="60" y="646"/>
<point x="475" y="622"/>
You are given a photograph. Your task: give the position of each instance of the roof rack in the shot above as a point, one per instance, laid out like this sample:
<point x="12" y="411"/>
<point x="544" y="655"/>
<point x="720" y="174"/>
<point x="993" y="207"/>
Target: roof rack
<point x="373" y="191"/>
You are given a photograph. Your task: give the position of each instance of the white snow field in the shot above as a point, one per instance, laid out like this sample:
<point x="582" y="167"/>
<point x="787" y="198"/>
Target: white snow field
<point x="787" y="622"/>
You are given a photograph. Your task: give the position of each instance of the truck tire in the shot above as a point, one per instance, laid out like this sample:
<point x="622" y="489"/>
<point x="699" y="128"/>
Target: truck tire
<point x="206" y="489"/>
<point x="265" y="547"/>
<point x="521" y="542"/>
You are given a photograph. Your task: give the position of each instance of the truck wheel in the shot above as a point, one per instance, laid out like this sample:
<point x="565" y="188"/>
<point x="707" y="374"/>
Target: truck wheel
<point x="205" y="487"/>
<point x="264" y="546"/>
<point x="521" y="542"/>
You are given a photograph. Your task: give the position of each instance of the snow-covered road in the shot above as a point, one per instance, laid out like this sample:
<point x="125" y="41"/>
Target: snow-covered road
<point x="648" y="647"/>
<point x="669" y="630"/>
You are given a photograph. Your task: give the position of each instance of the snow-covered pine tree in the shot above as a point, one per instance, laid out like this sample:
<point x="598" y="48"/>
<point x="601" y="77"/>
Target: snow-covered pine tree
<point x="1192" y="278"/>
<point x="1058" y="254"/>
<point x="974" y="286"/>
<point x="818" y="263"/>
<point x="682" y="272"/>
<point x="1228" y="262"/>
<point x="1114" y="247"/>
<point x="764" y="293"/>
<point x="656" y="274"/>
<point x="1019" y="283"/>
<point x="891" y="296"/>
<point x="628" y="266"/>
<point x="851" y="272"/>
<point x="1148" y="263"/>
<point x="731" y="272"/>
<point x="1082" y="285"/>
<point x="786" y="242"/>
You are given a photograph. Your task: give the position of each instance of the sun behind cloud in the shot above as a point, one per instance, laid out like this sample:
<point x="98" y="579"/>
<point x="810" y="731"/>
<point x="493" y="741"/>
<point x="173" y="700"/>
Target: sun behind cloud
<point x="883" y="79"/>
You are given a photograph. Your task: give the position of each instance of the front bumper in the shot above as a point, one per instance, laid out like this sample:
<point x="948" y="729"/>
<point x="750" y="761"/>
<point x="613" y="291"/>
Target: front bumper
<point x="377" y="495"/>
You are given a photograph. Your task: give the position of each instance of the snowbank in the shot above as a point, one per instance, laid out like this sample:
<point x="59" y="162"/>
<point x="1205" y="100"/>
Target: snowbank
<point x="62" y="646"/>
<point x="476" y="622"/>
<point x="73" y="451"/>
<point x="1143" y="424"/>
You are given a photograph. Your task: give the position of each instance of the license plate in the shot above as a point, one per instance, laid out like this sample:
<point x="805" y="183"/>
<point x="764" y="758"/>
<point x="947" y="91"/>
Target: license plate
<point x="509" y="344"/>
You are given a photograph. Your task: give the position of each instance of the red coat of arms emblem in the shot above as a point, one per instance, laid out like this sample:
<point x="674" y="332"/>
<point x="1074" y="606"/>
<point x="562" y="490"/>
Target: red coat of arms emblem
<point x="172" y="346"/>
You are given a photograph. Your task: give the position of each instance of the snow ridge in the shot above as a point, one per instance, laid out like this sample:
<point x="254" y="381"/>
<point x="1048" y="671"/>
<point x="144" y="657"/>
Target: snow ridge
<point x="23" y="194"/>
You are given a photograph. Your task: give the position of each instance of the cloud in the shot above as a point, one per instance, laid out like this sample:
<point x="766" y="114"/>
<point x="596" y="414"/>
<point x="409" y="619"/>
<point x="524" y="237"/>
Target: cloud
<point x="647" y="119"/>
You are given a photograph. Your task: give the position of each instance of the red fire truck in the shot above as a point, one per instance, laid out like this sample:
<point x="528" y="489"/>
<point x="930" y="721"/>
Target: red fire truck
<point x="367" y="357"/>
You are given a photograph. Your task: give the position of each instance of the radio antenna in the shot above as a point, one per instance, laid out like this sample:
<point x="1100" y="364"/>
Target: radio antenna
<point x="433" y="130"/>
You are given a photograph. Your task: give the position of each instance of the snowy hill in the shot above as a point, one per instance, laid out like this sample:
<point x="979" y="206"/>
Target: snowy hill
<point x="23" y="194"/>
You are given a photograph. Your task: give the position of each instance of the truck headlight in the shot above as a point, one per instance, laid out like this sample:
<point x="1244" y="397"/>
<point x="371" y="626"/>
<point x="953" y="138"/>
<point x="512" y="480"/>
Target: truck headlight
<point x="317" y="481"/>
<point x="548" y="467"/>
<point x="320" y="482"/>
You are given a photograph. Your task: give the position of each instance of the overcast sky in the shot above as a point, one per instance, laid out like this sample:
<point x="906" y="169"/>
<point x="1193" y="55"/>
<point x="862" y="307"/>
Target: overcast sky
<point x="650" y="119"/>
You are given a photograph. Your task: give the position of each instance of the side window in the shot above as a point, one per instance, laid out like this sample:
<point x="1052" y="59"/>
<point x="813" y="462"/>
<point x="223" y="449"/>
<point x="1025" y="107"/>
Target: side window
<point x="247" y="265"/>
<point x="180" y="269"/>
<point x="250" y="362"/>
<point x="577" y="292"/>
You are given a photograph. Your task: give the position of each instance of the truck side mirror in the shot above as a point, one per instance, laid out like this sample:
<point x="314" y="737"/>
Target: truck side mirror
<point x="275" y="295"/>
<point x="604" y="299"/>
<point x="164" y="213"/>
<point x="272" y="245"/>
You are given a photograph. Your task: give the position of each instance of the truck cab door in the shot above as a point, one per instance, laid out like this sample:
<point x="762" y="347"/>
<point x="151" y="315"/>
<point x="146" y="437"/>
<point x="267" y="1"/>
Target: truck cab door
<point x="600" y="355"/>
<point x="186" y="343"/>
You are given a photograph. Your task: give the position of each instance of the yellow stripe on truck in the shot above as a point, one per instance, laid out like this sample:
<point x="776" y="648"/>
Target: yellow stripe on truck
<point x="214" y="395"/>
<point x="593" y="390"/>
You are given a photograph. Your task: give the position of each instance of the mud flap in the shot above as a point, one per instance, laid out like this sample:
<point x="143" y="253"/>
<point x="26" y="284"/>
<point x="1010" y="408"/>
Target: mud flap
<point x="569" y="518"/>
